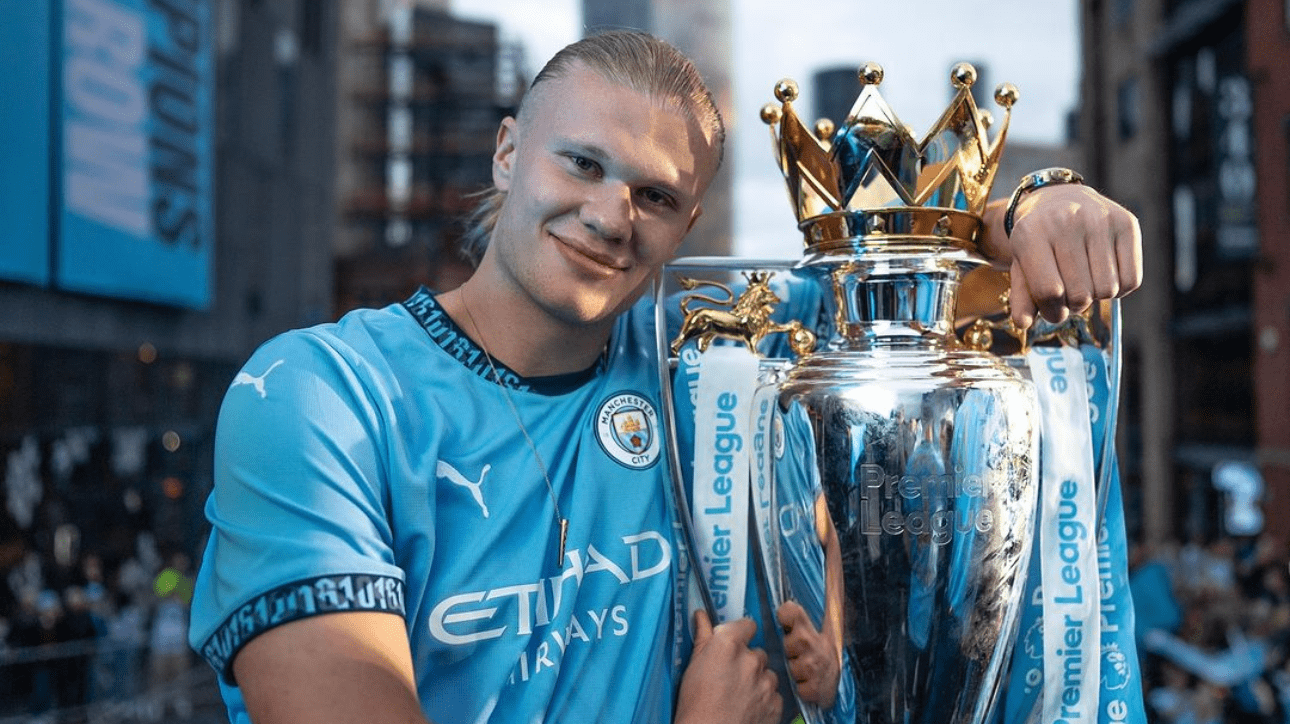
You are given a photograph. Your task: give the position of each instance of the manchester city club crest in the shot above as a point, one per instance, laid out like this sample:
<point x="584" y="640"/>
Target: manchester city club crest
<point x="627" y="428"/>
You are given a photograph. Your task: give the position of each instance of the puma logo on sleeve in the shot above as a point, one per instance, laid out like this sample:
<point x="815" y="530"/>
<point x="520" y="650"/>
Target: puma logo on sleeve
<point x="243" y="378"/>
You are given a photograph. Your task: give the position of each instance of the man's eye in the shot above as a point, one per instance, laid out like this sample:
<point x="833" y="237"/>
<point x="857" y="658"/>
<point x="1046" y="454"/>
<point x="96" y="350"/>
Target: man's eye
<point x="582" y="163"/>
<point x="654" y="196"/>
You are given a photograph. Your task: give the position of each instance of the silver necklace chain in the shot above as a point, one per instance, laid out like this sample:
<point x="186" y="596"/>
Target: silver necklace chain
<point x="546" y="477"/>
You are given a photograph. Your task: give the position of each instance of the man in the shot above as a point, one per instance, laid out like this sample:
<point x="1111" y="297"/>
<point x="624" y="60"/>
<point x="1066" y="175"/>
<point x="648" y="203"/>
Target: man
<point x="468" y="485"/>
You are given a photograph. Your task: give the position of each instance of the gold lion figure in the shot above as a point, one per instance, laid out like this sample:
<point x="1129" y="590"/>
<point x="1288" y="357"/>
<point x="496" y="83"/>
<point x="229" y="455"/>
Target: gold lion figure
<point x="747" y="320"/>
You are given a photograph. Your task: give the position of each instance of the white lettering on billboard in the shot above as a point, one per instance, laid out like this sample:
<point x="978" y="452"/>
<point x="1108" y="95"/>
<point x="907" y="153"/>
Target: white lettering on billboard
<point x="106" y="137"/>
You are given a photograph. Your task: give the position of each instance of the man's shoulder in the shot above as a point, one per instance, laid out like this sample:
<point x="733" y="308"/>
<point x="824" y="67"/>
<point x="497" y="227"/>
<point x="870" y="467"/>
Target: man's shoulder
<point x="363" y="333"/>
<point x="368" y="349"/>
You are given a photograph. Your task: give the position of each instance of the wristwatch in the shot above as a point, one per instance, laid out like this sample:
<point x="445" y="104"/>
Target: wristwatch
<point x="1037" y="180"/>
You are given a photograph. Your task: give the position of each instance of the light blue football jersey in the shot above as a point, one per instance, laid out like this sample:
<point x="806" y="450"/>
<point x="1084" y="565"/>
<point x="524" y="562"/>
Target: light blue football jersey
<point x="374" y="464"/>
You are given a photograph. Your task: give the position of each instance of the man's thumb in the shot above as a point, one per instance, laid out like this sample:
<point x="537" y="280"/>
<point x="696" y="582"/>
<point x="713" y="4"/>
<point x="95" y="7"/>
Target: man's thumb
<point x="702" y="627"/>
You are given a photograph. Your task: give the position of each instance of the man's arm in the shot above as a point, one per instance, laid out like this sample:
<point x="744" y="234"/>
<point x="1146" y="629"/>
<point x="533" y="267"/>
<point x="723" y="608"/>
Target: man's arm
<point x="1069" y="247"/>
<point x="338" y="667"/>
<point x="299" y="534"/>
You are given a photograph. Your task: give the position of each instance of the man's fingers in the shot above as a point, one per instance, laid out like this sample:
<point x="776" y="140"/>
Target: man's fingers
<point x="1074" y="247"/>
<point x="802" y="668"/>
<point x="795" y="645"/>
<point x="1043" y="281"/>
<point x="790" y="615"/>
<point x="1022" y="306"/>
<point x="1072" y="256"/>
<point x="770" y="694"/>
<point x="727" y="680"/>
<point x="1104" y="267"/>
<point x="741" y="631"/>
<point x="1128" y="251"/>
<point x="797" y="628"/>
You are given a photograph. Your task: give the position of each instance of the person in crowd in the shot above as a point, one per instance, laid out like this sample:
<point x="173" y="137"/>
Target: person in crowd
<point x="168" y="640"/>
<point x="24" y="632"/>
<point x="127" y="640"/>
<point x="78" y="632"/>
<point x="1222" y="653"/>
<point x="38" y="634"/>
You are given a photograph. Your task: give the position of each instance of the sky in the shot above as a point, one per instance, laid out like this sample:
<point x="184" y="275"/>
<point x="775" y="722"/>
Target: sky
<point x="1033" y="44"/>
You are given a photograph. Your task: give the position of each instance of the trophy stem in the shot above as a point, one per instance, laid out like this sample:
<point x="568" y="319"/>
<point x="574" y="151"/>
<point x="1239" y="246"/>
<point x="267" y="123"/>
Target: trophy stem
<point x="891" y="300"/>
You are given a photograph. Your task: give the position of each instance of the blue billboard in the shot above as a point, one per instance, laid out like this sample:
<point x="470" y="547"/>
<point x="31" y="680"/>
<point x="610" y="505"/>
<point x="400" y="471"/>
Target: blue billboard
<point x="134" y="178"/>
<point x="25" y="45"/>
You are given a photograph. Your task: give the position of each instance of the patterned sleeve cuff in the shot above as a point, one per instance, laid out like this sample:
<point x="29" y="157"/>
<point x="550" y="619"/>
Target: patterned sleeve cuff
<point x="294" y="601"/>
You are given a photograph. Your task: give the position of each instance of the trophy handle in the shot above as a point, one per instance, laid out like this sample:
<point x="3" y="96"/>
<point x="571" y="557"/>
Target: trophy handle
<point x="666" y="367"/>
<point x="680" y="500"/>
<point x="1115" y="365"/>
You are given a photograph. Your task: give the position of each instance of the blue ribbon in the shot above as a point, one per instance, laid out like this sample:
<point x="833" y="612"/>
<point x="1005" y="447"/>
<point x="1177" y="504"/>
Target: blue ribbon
<point x="1121" y="685"/>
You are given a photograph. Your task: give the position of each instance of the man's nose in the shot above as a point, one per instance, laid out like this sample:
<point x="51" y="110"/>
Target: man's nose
<point x="608" y="212"/>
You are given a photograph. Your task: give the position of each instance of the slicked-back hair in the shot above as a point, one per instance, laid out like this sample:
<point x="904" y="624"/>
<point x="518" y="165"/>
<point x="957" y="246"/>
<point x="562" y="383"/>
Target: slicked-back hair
<point x="635" y="60"/>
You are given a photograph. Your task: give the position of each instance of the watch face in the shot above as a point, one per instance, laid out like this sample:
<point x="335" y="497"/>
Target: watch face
<point x="1035" y="180"/>
<point x="1052" y="176"/>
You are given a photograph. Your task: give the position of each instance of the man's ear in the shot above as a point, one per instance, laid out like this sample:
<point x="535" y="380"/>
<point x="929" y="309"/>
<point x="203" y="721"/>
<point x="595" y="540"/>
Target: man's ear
<point x="694" y="216"/>
<point x="504" y="153"/>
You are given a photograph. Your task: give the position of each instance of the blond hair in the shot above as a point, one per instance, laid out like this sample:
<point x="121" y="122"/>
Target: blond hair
<point x="635" y="60"/>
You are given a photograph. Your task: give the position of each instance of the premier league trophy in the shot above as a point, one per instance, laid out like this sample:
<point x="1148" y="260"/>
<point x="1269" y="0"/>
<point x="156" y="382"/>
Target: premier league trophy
<point x="883" y="474"/>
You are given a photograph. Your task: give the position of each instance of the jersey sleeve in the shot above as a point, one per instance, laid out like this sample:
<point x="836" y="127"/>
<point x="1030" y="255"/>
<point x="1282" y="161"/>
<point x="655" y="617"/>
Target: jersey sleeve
<point x="298" y="512"/>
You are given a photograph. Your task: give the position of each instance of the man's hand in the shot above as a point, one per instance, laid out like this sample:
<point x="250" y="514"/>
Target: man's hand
<point x="726" y="681"/>
<point x="1070" y="246"/>
<point x="813" y="661"/>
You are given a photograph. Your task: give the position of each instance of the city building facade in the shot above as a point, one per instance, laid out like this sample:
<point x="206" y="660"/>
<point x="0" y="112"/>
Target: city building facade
<point x="175" y="163"/>
<point x="1184" y="116"/>
<point x="421" y="94"/>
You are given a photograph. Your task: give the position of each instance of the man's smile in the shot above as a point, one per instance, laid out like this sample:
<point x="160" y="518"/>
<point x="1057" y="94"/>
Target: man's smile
<point x="590" y="259"/>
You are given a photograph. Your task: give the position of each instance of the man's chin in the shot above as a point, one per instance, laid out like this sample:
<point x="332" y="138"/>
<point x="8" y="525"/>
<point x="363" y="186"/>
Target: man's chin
<point x="595" y="310"/>
<point x="584" y="313"/>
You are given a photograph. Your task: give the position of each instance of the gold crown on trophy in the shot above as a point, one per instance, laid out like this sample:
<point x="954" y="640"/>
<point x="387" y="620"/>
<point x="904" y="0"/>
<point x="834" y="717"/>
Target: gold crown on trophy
<point x="870" y="182"/>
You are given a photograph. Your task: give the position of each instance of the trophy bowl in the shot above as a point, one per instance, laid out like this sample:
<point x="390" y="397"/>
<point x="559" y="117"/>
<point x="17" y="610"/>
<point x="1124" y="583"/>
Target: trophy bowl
<point x="903" y="497"/>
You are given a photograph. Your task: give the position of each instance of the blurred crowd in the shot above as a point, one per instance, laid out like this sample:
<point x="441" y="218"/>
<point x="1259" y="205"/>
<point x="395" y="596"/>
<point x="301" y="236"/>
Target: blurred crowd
<point x="78" y="644"/>
<point x="1213" y="622"/>
<point x="109" y="644"/>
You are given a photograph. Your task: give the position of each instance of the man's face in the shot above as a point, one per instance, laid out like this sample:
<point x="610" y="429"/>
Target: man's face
<point x="602" y="184"/>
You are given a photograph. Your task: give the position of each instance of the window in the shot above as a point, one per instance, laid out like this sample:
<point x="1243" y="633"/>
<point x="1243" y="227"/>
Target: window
<point x="1128" y="108"/>
<point x="311" y="25"/>
<point x="227" y="26"/>
<point x="1122" y="12"/>
<point x="1285" y="127"/>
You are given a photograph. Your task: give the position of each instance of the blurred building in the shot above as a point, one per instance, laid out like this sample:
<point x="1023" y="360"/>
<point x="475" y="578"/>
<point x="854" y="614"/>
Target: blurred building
<point x="421" y="94"/>
<point x="167" y="207"/>
<point x="704" y="31"/>
<point x="834" y="91"/>
<point x="1186" y="114"/>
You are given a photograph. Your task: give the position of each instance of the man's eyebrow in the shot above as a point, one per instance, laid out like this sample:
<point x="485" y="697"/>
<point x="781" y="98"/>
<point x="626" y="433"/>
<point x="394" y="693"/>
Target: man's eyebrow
<point x="583" y="147"/>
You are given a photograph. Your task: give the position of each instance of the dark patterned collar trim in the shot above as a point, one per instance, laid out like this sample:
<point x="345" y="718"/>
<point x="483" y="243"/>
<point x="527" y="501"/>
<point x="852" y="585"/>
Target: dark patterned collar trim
<point x="452" y="339"/>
